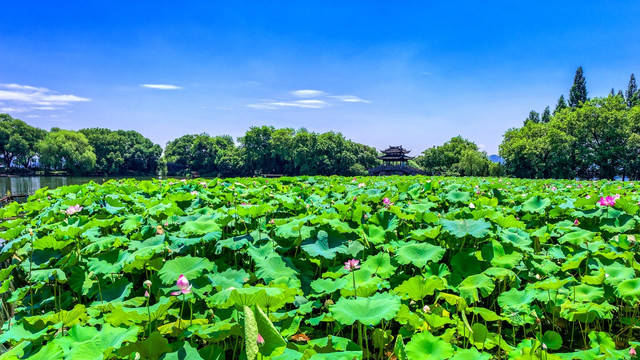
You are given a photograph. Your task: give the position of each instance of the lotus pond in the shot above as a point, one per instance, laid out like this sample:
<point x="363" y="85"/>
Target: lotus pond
<point x="322" y="268"/>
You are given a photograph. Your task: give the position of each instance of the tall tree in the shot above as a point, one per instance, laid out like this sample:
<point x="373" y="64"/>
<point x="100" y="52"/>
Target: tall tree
<point x="632" y="92"/>
<point x="546" y="115"/>
<point x="562" y="104"/>
<point x="18" y="141"/>
<point x="533" y="116"/>
<point x="578" y="92"/>
<point x="67" y="150"/>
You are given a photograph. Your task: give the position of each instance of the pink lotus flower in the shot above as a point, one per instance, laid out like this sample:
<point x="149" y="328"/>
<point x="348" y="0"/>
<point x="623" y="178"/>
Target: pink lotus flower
<point x="632" y="352"/>
<point x="73" y="209"/>
<point x="588" y="197"/>
<point x="361" y="185"/>
<point x="194" y="192"/>
<point x="576" y="222"/>
<point x="183" y="285"/>
<point x="203" y="183"/>
<point x="352" y="264"/>
<point x="146" y="294"/>
<point x="386" y="201"/>
<point x="260" y="340"/>
<point x="616" y="196"/>
<point x="607" y="201"/>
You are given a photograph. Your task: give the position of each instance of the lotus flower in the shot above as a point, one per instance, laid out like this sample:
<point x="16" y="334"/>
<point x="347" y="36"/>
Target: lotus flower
<point x="146" y="294"/>
<point x="183" y="285"/>
<point x="588" y="197"/>
<point x="576" y="222"/>
<point x="386" y="201"/>
<point x="361" y="185"/>
<point x="352" y="264"/>
<point x="73" y="209"/>
<point x="632" y="352"/>
<point x="260" y="340"/>
<point x="607" y="201"/>
<point x="194" y="192"/>
<point x="426" y="309"/>
<point x="471" y="206"/>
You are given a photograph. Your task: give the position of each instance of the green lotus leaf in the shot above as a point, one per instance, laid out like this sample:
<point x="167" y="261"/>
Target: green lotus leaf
<point x="380" y="264"/>
<point x="617" y="273"/>
<point x="428" y="233"/>
<point x="274" y="267"/>
<point x="51" y="351"/>
<point x="629" y="290"/>
<point x="324" y="245"/>
<point x="272" y="338"/>
<point x="328" y="286"/>
<point x="419" y="254"/>
<point x="202" y="226"/>
<point x="190" y="267"/>
<point x="517" y="238"/>
<point x="552" y="340"/>
<point x="417" y="287"/>
<point x="461" y="228"/>
<point x="577" y="237"/>
<point x="536" y="204"/>
<point x="586" y="312"/>
<point x="504" y="258"/>
<point x="515" y="298"/>
<point x="458" y="196"/>
<point x="586" y="293"/>
<point x="426" y="346"/>
<point x="374" y="234"/>
<point x="470" y="286"/>
<point x="366" y="310"/>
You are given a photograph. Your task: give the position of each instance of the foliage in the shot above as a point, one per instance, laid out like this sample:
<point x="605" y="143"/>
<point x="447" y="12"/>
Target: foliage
<point x="18" y="141"/>
<point x="67" y="150"/>
<point x="457" y="157"/>
<point x="450" y="268"/>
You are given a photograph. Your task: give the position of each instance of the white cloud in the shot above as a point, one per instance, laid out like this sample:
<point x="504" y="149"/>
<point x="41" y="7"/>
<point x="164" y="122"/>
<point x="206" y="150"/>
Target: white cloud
<point x="350" y="98"/>
<point x="274" y="105"/>
<point x="161" y="86"/>
<point x="307" y="93"/>
<point x="24" y="98"/>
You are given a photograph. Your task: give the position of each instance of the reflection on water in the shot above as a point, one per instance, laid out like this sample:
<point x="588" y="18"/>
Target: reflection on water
<point x="29" y="185"/>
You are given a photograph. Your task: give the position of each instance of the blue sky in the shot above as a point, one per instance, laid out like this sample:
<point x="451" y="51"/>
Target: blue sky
<point x="381" y="73"/>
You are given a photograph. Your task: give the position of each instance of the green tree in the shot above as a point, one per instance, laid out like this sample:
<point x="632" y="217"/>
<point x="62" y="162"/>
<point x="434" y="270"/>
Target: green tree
<point x="578" y="92"/>
<point x="533" y="116"/>
<point x="202" y="153"/>
<point x="456" y="157"/>
<point x="561" y="105"/>
<point x="18" y="142"/>
<point x="67" y="150"/>
<point x="632" y="95"/>
<point x="546" y="115"/>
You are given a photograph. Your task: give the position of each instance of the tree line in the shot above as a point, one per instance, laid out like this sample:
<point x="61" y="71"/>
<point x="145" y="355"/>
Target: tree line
<point x="582" y="138"/>
<point x="262" y="150"/>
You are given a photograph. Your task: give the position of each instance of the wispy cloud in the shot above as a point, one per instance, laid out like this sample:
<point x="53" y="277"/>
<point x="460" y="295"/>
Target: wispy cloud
<point x="313" y="99"/>
<point x="350" y="98"/>
<point x="307" y="93"/>
<point x="161" y="86"/>
<point x="23" y="98"/>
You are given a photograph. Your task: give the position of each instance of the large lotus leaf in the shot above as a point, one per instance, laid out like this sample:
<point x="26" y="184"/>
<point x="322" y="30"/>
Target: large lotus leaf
<point x="387" y="220"/>
<point x="515" y="298"/>
<point x="504" y="258"/>
<point x="23" y="331"/>
<point x="202" y="226"/>
<point x="419" y="254"/>
<point x="229" y="278"/>
<point x="327" y="286"/>
<point x="274" y="267"/>
<point x="536" y="204"/>
<point x="618" y="225"/>
<point x="517" y="238"/>
<point x="428" y="233"/>
<point x="368" y="311"/>
<point x="464" y="227"/>
<point x="458" y="196"/>
<point x="629" y="290"/>
<point x="417" y="287"/>
<point x="426" y="346"/>
<point x="552" y="340"/>
<point x="366" y="283"/>
<point x="374" y="234"/>
<point x="470" y="286"/>
<point x="190" y="267"/>
<point x="577" y="237"/>
<point x="110" y="262"/>
<point x="324" y="245"/>
<point x="337" y="225"/>
<point x="586" y="312"/>
<point x="617" y="273"/>
<point x="51" y="351"/>
<point x="380" y="265"/>
<point x="583" y="292"/>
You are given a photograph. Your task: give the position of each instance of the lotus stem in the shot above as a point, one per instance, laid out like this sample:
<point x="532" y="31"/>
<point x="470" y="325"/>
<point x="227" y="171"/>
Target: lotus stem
<point x="355" y="290"/>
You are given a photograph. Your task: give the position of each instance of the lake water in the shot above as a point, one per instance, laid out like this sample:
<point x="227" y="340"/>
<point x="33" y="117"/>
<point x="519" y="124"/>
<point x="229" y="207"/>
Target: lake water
<point x="29" y="185"/>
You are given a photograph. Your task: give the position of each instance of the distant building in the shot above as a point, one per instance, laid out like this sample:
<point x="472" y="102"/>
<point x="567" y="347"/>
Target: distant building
<point x="394" y="162"/>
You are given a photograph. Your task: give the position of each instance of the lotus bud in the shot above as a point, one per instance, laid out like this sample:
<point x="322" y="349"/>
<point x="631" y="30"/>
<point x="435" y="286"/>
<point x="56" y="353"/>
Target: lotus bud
<point x="632" y="352"/>
<point x="159" y="230"/>
<point x="260" y="340"/>
<point x="146" y="294"/>
<point x="544" y="346"/>
<point x="426" y="309"/>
